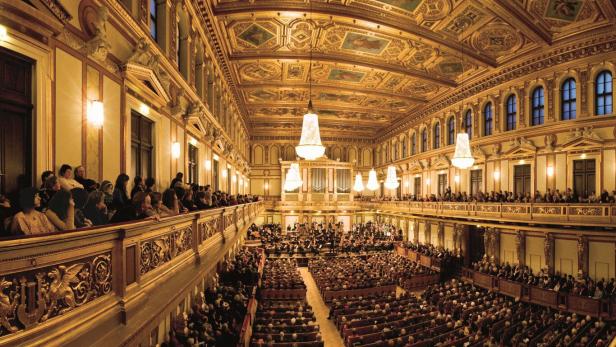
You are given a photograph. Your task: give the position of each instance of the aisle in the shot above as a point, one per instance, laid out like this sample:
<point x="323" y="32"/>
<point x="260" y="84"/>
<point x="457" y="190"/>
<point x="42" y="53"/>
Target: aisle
<point x="329" y="333"/>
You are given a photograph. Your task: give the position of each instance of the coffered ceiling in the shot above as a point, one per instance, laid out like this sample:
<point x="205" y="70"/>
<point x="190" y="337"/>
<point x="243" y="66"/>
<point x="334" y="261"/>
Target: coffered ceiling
<point x="375" y="62"/>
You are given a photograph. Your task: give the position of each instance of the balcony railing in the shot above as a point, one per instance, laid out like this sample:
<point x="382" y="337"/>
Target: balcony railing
<point x="105" y="276"/>
<point x="574" y="214"/>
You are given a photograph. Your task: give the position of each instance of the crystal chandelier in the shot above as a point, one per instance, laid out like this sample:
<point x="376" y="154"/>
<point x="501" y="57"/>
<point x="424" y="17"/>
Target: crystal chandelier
<point x="359" y="185"/>
<point x="310" y="147"/>
<point x="293" y="179"/>
<point x="391" y="182"/>
<point x="463" y="158"/>
<point x="372" y="184"/>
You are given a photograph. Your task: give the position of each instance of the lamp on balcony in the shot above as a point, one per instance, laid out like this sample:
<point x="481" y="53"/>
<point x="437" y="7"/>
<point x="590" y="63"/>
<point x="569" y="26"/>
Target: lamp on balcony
<point x="462" y="157"/>
<point x="359" y="185"/>
<point x="391" y="182"/>
<point x="293" y="179"/>
<point x="372" y="182"/>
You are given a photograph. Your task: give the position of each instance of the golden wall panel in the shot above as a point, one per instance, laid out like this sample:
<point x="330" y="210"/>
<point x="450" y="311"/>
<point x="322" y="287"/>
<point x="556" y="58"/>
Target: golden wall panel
<point x="609" y="168"/>
<point x="69" y="109"/>
<point x="508" y="250"/>
<point x="565" y="256"/>
<point x="601" y="260"/>
<point x="93" y="92"/>
<point x="111" y="129"/>
<point x="535" y="258"/>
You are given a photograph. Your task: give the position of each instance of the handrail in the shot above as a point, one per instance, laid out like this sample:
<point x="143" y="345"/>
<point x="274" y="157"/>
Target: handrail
<point x="47" y="280"/>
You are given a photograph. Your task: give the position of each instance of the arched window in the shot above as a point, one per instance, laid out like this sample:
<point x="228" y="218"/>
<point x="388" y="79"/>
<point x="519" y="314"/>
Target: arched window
<point x="413" y="144"/>
<point x="451" y="131"/>
<point x="568" y="99"/>
<point x="395" y="146"/>
<point x="424" y="140"/>
<point x="511" y="112"/>
<point x="437" y="136"/>
<point x="468" y="124"/>
<point x="404" y="147"/>
<point x="487" y="119"/>
<point x="153" y="20"/>
<point x="603" y="93"/>
<point x="538" y="106"/>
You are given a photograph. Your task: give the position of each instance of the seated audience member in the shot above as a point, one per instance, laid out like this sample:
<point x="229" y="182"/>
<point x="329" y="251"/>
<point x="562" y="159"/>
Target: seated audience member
<point x="96" y="209"/>
<point x="50" y="188"/>
<point x="61" y="210"/>
<point x="30" y="221"/>
<point x="107" y="190"/>
<point x="181" y="193"/>
<point x="149" y="185"/>
<point x="170" y="200"/>
<point x="201" y="201"/>
<point x="138" y="186"/>
<point x="158" y="207"/>
<point x="120" y="192"/>
<point x="177" y="181"/>
<point x="80" y="176"/>
<point x="80" y="197"/>
<point x="188" y="202"/>
<point x="44" y="176"/>
<point x="66" y="178"/>
<point x="135" y="211"/>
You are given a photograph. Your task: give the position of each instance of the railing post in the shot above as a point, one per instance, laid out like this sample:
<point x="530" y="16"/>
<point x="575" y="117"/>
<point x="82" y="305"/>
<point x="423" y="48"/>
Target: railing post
<point x="196" y="235"/>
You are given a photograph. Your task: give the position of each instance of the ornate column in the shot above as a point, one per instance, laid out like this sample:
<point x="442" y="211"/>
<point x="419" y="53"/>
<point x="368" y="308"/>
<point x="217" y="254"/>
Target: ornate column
<point x="523" y="100"/>
<point x="548" y="252"/>
<point x="582" y="253"/>
<point x="584" y="111"/>
<point x="173" y="36"/>
<point x="427" y="233"/>
<point x="415" y="231"/>
<point x="497" y="106"/>
<point x="520" y="245"/>
<point x="550" y="94"/>
<point x="441" y="234"/>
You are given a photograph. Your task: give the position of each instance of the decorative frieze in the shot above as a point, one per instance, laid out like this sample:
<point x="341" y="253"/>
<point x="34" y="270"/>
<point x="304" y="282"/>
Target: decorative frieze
<point x="160" y="250"/>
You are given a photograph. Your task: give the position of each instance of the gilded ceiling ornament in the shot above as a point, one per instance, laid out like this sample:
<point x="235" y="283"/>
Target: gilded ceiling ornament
<point x="300" y="34"/>
<point x="432" y="10"/>
<point x="252" y="35"/>
<point x="497" y="39"/>
<point x="261" y="71"/>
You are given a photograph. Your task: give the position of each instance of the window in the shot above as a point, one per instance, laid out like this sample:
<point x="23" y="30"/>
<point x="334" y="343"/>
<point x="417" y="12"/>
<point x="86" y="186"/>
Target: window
<point x="215" y="173"/>
<point x="442" y="184"/>
<point x="487" y="119"/>
<point x="568" y="99"/>
<point x="141" y="146"/>
<point x="404" y="148"/>
<point x="417" y="184"/>
<point x="476" y="181"/>
<point x="424" y="140"/>
<point x="395" y="146"/>
<point x="468" y="124"/>
<point x="603" y="93"/>
<point x="451" y="131"/>
<point x="153" y="20"/>
<point x="193" y="168"/>
<point x="511" y="112"/>
<point x="521" y="179"/>
<point x="584" y="177"/>
<point x="177" y="43"/>
<point x="413" y="144"/>
<point x="538" y="106"/>
<point x="437" y="136"/>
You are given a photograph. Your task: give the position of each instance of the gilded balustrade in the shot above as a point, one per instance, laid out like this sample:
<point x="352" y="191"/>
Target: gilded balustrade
<point x="49" y="283"/>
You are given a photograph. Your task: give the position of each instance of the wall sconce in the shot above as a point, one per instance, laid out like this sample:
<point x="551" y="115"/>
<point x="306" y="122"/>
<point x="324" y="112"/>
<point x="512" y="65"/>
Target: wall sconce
<point x="193" y="142"/>
<point x="266" y="186"/>
<point x="224" y="173"/>
<point x="144" y="109"/>
<point x="96" y="113"/>
<point x="427" y="181"/>
<point x="521" y="162"/>
<point x="456" y="178"/>
<point x="583" y="156"/>
<point x="550" y="171"/>
<point x="496" y="175"/>
<point x="246" y="183"/>
<point x="233" y="178"/>
<point x="215" y="157"/>
<point x="175" y="150"/>
<point x="208" y="164"/>
<point x="4" y="35"/>
<point x="406" y="184"/>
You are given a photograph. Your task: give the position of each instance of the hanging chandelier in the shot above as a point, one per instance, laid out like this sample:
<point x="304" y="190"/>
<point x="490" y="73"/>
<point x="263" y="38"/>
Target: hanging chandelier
<point x="292" y="180"/>
<point x="391" y="182"/>
<point x="463" y="157"/>
<point x="310" y="147"/>
<point x="359" y="185"/>
<point x="372" y="184"/>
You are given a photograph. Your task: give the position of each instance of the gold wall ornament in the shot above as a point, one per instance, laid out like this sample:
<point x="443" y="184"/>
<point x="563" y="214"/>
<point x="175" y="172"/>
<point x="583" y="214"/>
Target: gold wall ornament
<point x="155" y="252"/>
<point x="30" y="298"/>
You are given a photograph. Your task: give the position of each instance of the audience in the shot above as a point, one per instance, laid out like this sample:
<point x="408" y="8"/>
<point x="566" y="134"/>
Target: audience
<point x="61" y="210"/>
<point x="67" y="182"/>
<point x="120" y="192"/>
<point x="30" y="221"/>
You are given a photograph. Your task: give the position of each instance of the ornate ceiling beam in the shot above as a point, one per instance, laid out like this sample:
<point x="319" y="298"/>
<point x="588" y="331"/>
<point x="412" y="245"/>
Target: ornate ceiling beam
<point x="326" y="106"/>
<point x="326" y="87"/>
<point x="520" y="19"/>
<point x="374" y="16"/>
<point x="364" y="62"/>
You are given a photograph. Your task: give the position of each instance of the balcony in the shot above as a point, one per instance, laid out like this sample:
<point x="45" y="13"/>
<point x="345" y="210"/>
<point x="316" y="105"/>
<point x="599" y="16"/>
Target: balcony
<point x="116" y="283"/>
<point x="599" y="215"/>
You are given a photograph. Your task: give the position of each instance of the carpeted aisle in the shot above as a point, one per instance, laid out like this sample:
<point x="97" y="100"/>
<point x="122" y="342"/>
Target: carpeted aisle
<point x="329" y="333"/>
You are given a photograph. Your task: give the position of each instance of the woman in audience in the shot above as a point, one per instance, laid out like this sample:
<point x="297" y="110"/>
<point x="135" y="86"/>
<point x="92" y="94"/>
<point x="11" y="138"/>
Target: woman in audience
<point x="180" y="193"/>
<point x="188" y="202"/>
<point x="137" y="186"/>
<point x="96" y="209"/>
<point x="177" y="181"/>
<point x="80" y="197"/>
<point x="61" y="211"/>
<point x="149" y="185"/>
<point x="170" y="200"/>
<point x="107" y="190"/>
<point x="200" y="201"/>
<point x="50" y="188"/>
<point x="44" y="176"/>
<point x="66" y="178"/>
<point x="158" y="207"/>
<point x="120" y="192"/>
<point x="30" y="221"/>
<point x="136" y="210"/>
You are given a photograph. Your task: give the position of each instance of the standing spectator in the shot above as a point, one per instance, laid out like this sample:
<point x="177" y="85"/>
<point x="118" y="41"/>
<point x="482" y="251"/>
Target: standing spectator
<point x="30" y="221"/>
<point x="120" y="192"/>
<point x="179" y="177"/>
<point x="137" y="186"/>
<point x="61" y="211"/>
<point x="67" y="182"/>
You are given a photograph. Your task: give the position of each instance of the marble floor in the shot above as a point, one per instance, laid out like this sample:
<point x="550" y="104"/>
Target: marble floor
<point x="329" y="333"/>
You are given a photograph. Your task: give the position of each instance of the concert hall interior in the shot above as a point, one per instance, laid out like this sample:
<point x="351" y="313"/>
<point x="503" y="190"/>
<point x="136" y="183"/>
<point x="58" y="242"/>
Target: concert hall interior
<point x="307" y="173"/>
